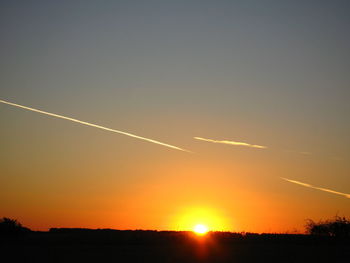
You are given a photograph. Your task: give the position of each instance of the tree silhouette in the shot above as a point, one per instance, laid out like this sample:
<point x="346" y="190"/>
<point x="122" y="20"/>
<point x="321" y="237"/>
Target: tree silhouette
<point x="339" y="227"/>
<point x="11" y="226"/>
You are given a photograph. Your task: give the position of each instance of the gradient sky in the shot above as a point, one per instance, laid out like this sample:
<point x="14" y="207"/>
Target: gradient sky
<point x="270" y="73"/>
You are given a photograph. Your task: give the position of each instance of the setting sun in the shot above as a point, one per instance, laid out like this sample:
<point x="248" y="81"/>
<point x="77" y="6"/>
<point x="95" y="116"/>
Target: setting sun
<point x="200" y="229"/>
<point x="200" y="220"/>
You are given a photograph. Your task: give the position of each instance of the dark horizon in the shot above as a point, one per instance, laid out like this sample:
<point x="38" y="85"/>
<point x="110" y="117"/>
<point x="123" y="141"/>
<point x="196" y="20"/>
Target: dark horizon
<point x="106" y="245"/>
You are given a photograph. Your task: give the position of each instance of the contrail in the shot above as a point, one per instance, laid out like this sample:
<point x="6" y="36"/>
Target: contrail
<point x="95" y="125"/>
<point x="231" y="143"/>
<point x="315" y="187"/>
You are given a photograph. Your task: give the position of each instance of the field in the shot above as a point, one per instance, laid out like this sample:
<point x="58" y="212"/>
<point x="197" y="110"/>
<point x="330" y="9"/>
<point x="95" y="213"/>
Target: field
<point x="84" y="245"/>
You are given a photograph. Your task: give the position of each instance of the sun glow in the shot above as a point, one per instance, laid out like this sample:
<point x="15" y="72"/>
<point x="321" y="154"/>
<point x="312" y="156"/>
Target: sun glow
<point x="201" y="220"/>
<point x="200" y="229"/>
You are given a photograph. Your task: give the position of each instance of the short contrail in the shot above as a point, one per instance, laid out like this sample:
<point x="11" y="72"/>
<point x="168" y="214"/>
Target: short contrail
<point x="231" y="143"/>
<point x="94" y="125"/>
<point x="315" y="187"/>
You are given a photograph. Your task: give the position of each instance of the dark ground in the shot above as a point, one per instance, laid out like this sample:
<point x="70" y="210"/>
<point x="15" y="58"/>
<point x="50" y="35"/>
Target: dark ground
<point x="82" y="245"/>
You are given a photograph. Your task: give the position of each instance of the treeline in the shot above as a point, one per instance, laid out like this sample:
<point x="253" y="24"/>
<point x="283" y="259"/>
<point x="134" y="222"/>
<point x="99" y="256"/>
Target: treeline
<point x="10" y="226"/>
<point x="336" y="227"/>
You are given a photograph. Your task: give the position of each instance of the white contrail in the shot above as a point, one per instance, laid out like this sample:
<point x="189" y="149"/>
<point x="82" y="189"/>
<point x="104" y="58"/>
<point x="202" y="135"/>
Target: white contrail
<point x="94" y="125"/>
<point x="315" y="187"/>
<point x="231" y="143"/>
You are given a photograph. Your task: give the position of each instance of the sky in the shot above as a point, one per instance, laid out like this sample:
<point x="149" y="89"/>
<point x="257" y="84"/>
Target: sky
<point x="256" y="93"/>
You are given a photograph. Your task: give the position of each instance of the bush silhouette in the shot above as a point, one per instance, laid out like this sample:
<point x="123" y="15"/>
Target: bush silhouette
<point x="11" y="226"/>
<point x="338" y="227"/>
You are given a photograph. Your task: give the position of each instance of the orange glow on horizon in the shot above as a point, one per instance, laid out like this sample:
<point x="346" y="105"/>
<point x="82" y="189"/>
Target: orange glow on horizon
<point x="201" y="220"/>
<point x="200" y="229"/>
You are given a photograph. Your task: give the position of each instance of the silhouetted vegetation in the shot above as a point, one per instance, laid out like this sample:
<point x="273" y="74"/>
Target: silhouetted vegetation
<point x="108" y="245"/>
<point x="10" y="226"/>
<point x="337" y="227"/>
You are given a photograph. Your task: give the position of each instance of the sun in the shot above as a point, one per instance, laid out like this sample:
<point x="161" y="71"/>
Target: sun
<point x="200" y="220"/>
<point x="200" y="229"/>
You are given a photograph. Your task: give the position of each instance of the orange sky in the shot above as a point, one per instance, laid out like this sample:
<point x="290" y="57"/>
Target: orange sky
<point x="265" y="87"/>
